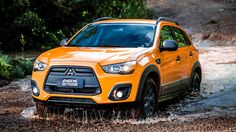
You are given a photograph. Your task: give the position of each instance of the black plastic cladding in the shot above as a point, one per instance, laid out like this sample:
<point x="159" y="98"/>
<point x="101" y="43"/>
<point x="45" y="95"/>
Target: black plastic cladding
<point x="69" y="101"/>
<point x="91" y="85"/>
<point x="34" y="84"/>
<point x="120" y="86"/>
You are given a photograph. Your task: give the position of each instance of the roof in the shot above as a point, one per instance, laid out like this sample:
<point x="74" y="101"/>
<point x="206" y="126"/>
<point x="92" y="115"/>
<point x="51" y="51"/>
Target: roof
<point x="144" y="21"/>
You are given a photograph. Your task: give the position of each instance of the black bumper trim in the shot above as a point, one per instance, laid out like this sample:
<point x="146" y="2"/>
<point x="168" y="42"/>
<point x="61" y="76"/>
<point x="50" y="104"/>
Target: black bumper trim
<point x="72" y="104"/>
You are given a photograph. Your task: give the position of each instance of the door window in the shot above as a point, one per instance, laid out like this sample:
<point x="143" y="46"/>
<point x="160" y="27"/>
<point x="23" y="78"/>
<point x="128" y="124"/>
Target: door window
<point x="165" y="34"/>
<point x="180" y="37"/>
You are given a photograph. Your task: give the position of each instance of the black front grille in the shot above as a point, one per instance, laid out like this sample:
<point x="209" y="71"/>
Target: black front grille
<point x="61" y="100"/>
<point x="85" y="74"/>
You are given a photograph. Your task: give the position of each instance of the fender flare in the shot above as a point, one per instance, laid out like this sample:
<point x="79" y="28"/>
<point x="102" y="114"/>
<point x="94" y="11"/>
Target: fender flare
<point x="149" y="69"/>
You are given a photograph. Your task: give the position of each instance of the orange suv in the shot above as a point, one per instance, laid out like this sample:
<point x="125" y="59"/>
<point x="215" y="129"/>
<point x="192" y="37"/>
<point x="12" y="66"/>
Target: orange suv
<point x="115" y="63"/>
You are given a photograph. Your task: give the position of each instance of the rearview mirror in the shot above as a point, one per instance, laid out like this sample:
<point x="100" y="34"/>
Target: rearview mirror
<point x="169" y="45"/>
<point x="63" y="42"/>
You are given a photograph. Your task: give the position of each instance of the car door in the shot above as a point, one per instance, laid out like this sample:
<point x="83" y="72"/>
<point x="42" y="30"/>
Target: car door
<point x="170" y="66"/>
<point x="184" y="53"/>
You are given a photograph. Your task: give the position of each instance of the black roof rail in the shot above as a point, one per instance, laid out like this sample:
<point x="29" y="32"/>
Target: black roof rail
<point x="166" y="19"/>
<point x="104" y="18"/>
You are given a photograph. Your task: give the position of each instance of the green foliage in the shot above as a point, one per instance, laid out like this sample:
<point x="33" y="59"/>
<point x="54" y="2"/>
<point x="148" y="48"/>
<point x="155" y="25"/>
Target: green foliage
<point x="29" y="24"/>
<point x="22" y="41"/>
<point x="16" y="67"/>
<point x="48" y="21"/>
<point x="122" y="9"/>
<point x="17" y="72"/>
<point x="29" y="20"/>
<point x="5" y="58"/>
<point x="23" y="64"/>
<point x="5" y="68"/>
<point x="22" y="3"/>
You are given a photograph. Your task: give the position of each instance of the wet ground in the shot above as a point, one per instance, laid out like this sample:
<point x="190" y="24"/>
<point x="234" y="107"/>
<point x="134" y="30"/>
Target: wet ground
<point x="214" y="109"/>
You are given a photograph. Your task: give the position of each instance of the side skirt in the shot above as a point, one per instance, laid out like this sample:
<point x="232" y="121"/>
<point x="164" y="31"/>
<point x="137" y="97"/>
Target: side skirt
<point x="171" y="96"/>
<point x="175" y="89"/>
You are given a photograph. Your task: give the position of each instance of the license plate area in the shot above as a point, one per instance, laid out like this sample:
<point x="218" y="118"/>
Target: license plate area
<point x="70" y="83"/>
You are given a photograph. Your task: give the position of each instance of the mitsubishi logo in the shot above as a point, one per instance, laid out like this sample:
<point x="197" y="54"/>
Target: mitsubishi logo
<point x="70" y="72"/>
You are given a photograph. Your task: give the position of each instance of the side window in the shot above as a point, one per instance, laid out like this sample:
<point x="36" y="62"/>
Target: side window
<point x="165" y="35"/>
<point x="180" y="37"/>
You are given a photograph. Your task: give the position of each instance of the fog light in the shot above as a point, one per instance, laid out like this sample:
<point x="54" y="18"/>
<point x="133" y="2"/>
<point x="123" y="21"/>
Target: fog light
<point x="119" y="94"/>
<point x="35" y="89"/>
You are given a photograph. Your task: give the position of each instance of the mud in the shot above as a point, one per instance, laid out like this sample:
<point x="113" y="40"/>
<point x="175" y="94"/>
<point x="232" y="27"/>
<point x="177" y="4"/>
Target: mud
<point x="212" y="24"/>
<point x="214" y="109"/>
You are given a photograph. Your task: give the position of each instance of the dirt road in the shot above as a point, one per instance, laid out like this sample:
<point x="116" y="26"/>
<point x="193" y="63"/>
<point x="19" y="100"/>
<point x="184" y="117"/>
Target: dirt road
<point x="200" y="16"/>
<point x="212" y="23"/>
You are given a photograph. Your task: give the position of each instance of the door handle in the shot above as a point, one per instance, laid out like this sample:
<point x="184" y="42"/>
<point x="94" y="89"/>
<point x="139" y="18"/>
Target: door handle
<point x="191" y="53"/>
<point x="178" y="58"/>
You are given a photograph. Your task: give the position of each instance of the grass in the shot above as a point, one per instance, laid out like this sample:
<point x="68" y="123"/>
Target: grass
<point x="14" y="67"/>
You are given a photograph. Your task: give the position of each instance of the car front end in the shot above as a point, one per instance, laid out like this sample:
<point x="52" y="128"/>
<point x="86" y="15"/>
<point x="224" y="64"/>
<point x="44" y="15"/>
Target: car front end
<point x="98" y="66"/>
<point x="84" y="83"/>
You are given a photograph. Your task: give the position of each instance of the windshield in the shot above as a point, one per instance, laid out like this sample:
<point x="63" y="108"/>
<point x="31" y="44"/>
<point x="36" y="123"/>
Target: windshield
<point x="115" y="35"/>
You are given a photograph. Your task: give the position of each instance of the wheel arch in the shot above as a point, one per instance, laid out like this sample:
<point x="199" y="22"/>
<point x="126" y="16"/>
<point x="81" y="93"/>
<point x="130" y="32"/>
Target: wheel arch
<point x="197" y="68"/>
<point x="150" y="71"/>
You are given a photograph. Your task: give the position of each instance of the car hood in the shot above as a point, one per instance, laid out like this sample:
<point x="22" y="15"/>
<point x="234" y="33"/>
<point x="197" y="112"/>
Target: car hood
<point x="102" y="56"/>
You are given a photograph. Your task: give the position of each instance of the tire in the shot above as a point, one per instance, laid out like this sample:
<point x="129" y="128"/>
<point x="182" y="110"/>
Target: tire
<point x="57" y="110"/>
<point x="196" y="82"/>
<point x="43" y="110"/>
<point x="148" y="104"/>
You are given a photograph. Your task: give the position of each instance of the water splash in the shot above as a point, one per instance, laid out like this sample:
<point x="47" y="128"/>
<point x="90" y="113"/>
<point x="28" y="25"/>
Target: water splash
<point x="29" y="112"/>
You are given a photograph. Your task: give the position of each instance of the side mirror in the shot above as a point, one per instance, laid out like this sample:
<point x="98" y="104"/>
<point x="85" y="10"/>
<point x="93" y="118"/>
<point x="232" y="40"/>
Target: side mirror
<point x="169" y="45"/>
<point x="63" y="42"/>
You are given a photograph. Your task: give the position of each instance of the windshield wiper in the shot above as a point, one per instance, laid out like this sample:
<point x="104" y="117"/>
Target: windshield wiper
<point x="111" y="46"/>
<point x="73" y="45"/>
<point x="70" y="45"/>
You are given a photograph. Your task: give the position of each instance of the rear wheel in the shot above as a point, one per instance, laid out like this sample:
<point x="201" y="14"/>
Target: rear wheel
<point x="196" y="82"/>
<point x="149" y="100"/>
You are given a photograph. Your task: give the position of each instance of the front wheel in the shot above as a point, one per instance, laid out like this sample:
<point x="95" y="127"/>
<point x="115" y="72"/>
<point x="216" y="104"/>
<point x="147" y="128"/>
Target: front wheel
<point x="41" y="109"/>
<point x="149" y="99"/>
<point x="44" y="110"/>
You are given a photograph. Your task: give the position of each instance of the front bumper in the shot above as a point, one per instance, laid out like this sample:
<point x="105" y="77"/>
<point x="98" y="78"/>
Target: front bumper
<point x="85" y="103"/>
<point x="106" y="82"/>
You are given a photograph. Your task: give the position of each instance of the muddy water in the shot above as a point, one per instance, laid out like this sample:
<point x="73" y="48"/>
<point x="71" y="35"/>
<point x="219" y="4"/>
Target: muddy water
<point x="218" y="87"/>
<point x="217" y="102"/>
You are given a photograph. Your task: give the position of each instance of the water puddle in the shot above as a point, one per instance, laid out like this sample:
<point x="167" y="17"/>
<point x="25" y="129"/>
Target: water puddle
<point x="217" y="97"/>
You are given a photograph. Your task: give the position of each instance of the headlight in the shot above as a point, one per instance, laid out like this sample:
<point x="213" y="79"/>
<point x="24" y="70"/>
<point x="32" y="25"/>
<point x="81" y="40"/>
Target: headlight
<point x="122" y="68"/>
<point x="39" y="66"/>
